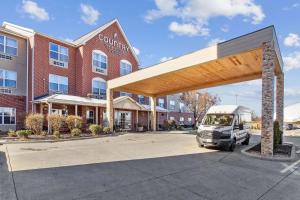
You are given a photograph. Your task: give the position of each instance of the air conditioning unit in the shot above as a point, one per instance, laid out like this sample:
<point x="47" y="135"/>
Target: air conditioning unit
<point x="5" y="91"/>
<point x="101" y="70"/>
<point x="5" y="57"/>
<point x="58" y="63"/>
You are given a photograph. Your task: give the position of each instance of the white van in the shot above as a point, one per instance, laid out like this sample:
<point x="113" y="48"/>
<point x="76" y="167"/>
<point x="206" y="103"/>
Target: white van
<point x="225" y="126"/>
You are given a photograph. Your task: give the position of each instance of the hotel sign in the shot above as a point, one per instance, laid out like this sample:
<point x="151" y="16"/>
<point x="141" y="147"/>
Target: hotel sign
<point x="113" y="45"/>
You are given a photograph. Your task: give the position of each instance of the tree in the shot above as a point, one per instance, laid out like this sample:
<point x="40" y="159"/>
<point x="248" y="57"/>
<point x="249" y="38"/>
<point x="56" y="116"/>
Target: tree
<point x="199" y="102"/>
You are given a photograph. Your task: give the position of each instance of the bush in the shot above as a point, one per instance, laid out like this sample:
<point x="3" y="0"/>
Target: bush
<point x="277" y="134"/>
<point x="74" y="122"/>
<point x="12" y="133"/>
<point x="75" y="132"/>
<point x="55" y="121"/>
<point x="95" y="129"/>
<point x="44" y="133"/>
<point x="56" y="134"/>
<point x="34" y="122"/>
<point x="23" y="133"/>
<point x="106" y="130"/>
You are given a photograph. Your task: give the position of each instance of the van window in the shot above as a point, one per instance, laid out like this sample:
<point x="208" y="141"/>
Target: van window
<point x="218" y="119"/>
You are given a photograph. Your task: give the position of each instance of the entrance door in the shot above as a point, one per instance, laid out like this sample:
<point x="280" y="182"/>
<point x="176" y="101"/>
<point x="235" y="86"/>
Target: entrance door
<point x="123" y="120"/>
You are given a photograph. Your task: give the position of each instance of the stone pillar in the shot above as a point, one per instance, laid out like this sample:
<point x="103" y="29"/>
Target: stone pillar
<point x="267" y="112"/>
<point x="97" y="115"/>
<point x="280" y="100"/>
<point x="76" y="110"/>
<point x="49" y="112"/>
<point x="153" y="113"/>
<point x="110" y="108"/>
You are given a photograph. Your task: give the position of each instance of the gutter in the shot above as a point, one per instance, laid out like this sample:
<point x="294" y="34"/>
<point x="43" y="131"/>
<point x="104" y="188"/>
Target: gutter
<point x="27" y="78"/>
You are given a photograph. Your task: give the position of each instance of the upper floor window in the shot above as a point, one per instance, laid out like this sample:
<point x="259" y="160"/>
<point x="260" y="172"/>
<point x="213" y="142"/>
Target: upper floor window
<point x="141" y="99"/>
<point x="99" y="62"/>
<point x="8" y="45"/>
<point x="172" y="105"/>
<point x="125" y="67"/>
<point x="181" y="106"/>
<point x="8" y="79"/>
<point x="58" y="84"/>
<point x="161" y="103"/>
<point x="125" y="94"/>
<point x="99" y="88"/>
<point x="59" y="55"/>
<point x="181" y="119"/>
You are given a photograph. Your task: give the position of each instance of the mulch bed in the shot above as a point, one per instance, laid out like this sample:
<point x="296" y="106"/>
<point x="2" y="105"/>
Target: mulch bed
<point x="283" y="150"/>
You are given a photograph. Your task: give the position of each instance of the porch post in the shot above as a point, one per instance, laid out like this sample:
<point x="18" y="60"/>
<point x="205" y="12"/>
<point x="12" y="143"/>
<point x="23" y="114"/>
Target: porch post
<point x="41" y="108"/>
<point x="267" y="113"/>
<point x="49" y="112"/>
<point x="137" y="119"/>
<point x="97" y="113"/>
<point x="110" y="108"/>
<point x="280" y="101"/>
<point x="76" y="109"/>
<point x="153" y="113"/>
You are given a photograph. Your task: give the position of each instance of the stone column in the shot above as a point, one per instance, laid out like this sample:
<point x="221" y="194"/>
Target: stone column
<point x="97" y="115"/>
<point x="153" y="113"/>
<point x="76" y="110"/>
<point x="49" y="113"/>
<point x="267" y="112"/>
<point x="280" y="100"/>
<point x="110" y="108"/>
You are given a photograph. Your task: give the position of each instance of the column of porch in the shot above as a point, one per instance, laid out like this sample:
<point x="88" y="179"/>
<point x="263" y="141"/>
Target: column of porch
<point x="267" y="113"/>
<point x="280" y="101"/>
<point x="110" y="108"/>
<point x="153" y="113"/>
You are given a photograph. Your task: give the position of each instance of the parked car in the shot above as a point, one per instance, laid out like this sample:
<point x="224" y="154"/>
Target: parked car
<point x="225" y="126"/>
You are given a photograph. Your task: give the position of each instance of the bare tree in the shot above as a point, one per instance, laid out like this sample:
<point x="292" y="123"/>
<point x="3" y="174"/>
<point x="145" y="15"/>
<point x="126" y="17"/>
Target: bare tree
<point x="199" y="102"/>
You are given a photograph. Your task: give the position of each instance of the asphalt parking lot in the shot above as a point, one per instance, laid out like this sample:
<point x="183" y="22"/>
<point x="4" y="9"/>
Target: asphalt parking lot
<point x="140" y="166"/>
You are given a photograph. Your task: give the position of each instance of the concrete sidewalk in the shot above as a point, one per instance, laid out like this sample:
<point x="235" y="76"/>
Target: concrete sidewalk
<point x="143" y="166"/>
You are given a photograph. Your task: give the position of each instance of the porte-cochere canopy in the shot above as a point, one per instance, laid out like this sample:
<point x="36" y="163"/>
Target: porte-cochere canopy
<point x="248" y="57"/>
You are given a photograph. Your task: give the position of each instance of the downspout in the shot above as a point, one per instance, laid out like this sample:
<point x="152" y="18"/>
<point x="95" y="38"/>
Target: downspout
<point x="27" y="73"/>
<point x="32" y="77"/>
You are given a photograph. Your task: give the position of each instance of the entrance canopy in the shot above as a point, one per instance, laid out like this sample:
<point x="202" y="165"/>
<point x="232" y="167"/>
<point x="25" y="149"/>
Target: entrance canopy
<point x="232" y="61"/>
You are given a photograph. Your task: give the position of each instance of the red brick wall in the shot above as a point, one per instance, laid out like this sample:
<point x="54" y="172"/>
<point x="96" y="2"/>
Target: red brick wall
<point x="18" y="102"/>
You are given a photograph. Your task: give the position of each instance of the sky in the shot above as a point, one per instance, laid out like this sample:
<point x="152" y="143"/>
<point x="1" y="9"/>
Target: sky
<point x="163" y="29"/>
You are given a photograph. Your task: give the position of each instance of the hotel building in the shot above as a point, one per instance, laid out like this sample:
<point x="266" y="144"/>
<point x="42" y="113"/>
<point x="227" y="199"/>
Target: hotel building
<point x="42" y="74"/>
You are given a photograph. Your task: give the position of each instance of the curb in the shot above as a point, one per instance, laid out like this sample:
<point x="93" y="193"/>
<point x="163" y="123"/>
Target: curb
<point x="293" y="154"/>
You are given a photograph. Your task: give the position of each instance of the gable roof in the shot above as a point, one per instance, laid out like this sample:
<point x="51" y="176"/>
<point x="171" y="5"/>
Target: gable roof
<point x="83" y="39"/>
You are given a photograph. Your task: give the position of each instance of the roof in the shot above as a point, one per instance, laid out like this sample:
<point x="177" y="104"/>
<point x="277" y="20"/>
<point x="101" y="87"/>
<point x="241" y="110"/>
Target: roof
<point x="87" y="101"/>
<point x="292" y="113"/>
<point x="228" y="109"/>
<point x="236" y="60"/>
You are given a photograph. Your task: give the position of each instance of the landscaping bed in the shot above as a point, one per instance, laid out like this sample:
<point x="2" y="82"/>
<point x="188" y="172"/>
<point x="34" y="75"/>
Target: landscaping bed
<point x="281" y="150"/>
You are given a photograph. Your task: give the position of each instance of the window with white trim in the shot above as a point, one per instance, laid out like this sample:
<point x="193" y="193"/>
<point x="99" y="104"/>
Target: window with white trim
<point x="8" y="45"/>
<point x="181" y="106"/>
<point x="89" y="116"/>
<point x="58" y="84"/>
<point x="8" y="79"/>
<point x="99" y="62"/>
<point x="161" y="102"/>
<point x="61" y="112"/>
<point x="172" y="105"/>
<point x="172" y="118"/>
<point x="125" y="67"/>
<point x="7" y="116"/>
<point x="125" y="94"/>
<point x="181" y="119"/>
<point x="189" y="119"/>
<point x="58" y="55"/>
<point x="99" y="88"/>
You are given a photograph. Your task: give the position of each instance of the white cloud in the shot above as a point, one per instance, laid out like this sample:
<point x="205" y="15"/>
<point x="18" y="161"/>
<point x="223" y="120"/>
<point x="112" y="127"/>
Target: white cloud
<point x="194" y="15"/>
<point x="295" y="5"/>
<point x="163" y="59"/>
<point x="214" y="41"/>
<point x="136" y="51"/>
<point x="34" y="11"/>
<point x="89" y="14"/>
<point x="188" y="29"/>
<point x="292" y="61"/>
<point x="292" y="91"/>
<point x="249" y="83"/>
<point x="292" y="40"/>
<point x="225" y="28"/>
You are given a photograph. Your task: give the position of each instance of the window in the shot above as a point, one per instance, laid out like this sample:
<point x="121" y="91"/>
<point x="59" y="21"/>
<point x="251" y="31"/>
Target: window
<point x="99" y="62"/>
<point x="181" y="119"/>
<point x="58" y="84"/>
<point x="99" y="88"/>
<point x="61" y="112"/>
<point x="181" y="106"/>
<point x="190" y="119"/>
<point x="125" y="67"/>
<point x="125" y="94"/>
<point x="8" y="79"/>
<point x="89" y="116"/>
<point x="172" y="118"/>
<point x="172" y="105"/>
<point x="59" y="55"/>
<point x="141" y="99"/>
<point x="161" y="103"/>
<point x="8" y="45"/>
<point x="7" y="115"/>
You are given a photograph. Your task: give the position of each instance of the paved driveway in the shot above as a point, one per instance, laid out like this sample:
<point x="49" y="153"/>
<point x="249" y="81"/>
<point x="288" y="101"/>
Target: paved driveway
<point x="139" y="166"/>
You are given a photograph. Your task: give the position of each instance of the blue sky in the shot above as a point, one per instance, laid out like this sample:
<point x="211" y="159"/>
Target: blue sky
<point x="163" y="29"/>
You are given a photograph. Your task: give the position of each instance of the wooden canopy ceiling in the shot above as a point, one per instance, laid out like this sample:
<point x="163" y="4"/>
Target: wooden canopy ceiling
<point x="233" y="61"/>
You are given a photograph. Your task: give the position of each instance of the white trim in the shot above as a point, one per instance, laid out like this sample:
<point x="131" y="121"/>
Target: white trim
<point x="126" y="62"/>
<point x="6" y="70"/>
<point x="58" y="53"/>
<point x="5" y="45"/>
<point x="27" y="73"/>
<point x="98" y="79"/>
<point x="15" y="115"/>
<point x="103" y="54"/>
